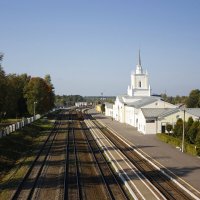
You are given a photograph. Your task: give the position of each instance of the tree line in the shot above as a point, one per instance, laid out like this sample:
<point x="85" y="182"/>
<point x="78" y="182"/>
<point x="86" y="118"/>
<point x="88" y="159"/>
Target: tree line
<point x="191" y="101"/>
<point x="192" y="131"/>
<point x="21" y="95"/>
<point x="67" y="100"/>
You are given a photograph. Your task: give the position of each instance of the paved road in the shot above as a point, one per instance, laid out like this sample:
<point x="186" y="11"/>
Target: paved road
<point x="185" y="166"/>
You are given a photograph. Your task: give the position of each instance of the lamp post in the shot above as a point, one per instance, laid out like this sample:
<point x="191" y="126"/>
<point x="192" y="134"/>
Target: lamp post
<point x="34" y="105"/>
<point x="183" y="137"/>
<point x="102" y="102"/>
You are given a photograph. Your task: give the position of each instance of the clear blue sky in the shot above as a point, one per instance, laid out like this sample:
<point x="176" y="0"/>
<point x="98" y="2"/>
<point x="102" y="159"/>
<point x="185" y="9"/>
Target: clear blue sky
<point x="91" y="46"/>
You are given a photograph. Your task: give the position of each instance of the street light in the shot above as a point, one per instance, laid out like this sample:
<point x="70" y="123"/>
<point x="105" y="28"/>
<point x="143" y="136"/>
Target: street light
<point x="183" y="137"/>
<point x="34" y="105"/>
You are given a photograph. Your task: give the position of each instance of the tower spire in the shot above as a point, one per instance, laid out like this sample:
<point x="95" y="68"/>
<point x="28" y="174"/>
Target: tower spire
<point x="139" y="59"/>
<point x="139" y="69"/>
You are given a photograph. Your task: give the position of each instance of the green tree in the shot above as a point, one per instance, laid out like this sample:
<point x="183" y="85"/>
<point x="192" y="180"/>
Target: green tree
<point x="188" y="124"/>
<point x="197" y="141"/>
<point x="51" y="92"/>
<point x="169" y="128"/>
<point x="193" y="100"/>
<point x="103" y="108"/>
<point x="23" y="81"/>
<point x="192" y="133"/>
<point x="12" y="95"/>
<point x="177" y="99"/>
<point x="38" y="91"/>
<point x="47" y="78"/>
<point x="178" y="128"/>
<point x="3" y="83"/>
<point x="15" y="102"/>
<point x="3" y="89"/>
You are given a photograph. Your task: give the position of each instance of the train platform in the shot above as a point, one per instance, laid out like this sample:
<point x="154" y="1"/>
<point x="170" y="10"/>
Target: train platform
<point x="182" y="165"/>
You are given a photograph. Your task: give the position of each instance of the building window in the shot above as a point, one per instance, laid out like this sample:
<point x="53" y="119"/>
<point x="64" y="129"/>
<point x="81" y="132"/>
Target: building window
<point x="139" y="84"/>
<point x="150" y="121"/>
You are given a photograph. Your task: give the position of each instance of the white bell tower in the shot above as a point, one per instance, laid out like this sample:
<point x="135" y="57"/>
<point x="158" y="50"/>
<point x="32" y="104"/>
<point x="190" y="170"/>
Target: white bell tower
<point x="139" y="82"/>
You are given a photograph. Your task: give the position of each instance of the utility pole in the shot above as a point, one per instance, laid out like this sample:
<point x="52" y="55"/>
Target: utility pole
<point x="34" y="105"/>
<point x="183" y="137"/>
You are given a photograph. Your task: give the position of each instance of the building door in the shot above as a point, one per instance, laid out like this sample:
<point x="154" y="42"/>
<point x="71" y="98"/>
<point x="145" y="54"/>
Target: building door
<point x="163" y="128"/>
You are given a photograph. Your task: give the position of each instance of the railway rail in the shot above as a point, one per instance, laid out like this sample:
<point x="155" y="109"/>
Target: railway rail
<point x="88" y="177"/>
<point x="112" y="182"/>
<point x="29" y="182"/>
<point x="72" y="188"/>
<point x="87" y="172"/>
<point x="162" y="182"/>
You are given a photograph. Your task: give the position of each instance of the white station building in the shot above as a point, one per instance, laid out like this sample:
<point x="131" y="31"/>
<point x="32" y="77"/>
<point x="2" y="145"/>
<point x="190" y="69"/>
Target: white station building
<point x="149" y="114"/>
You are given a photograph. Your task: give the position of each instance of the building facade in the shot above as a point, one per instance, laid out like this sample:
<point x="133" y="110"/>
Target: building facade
<point x="81" y="104"/>
<point x="139" y="82"/>
<point x="139" y="108"/>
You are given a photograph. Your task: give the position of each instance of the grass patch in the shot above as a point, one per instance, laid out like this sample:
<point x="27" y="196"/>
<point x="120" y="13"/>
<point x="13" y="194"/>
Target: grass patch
<point x="7" y="122"/>
<point x="176" y="142"/>
<point x="17" y="151"/>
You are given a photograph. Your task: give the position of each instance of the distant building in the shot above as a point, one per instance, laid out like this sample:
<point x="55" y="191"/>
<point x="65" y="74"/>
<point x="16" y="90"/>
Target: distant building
<point x="149" y="114"/>
<point x="81" y="104"/>
<point x="109" y="109"/>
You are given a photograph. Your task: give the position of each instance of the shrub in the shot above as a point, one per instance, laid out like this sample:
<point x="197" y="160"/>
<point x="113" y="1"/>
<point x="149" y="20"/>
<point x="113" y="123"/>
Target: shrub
<point x="189" y="148"/>
<point x="169" y="127"/>
<point x="169" y="139"/>
<point x="198" y="151"/>
<point x="178" y="128"/>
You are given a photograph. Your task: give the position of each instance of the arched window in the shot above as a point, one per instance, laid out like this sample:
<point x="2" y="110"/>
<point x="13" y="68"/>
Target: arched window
<point x="139" y="84"/>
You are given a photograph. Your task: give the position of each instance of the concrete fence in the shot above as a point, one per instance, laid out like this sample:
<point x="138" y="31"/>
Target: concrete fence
<point x="25" y="121"/>
<point x="13" y="127"/>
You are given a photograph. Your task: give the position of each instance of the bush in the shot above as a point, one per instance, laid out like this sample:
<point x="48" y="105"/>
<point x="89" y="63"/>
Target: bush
<point x="198" y="151"/>
<point x="169" y="139"/>
<point x="178" y="128"/>
<point x="169" y="127"/>
<point x="189" y="148"/>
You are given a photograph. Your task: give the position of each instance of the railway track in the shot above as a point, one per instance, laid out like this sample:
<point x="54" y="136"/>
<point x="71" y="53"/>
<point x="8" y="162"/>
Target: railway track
<point x="112" y="182"/>
<point x="162" y="182"/>
<point x="72" y="188"/>
<point x="88" y="174"/>
<point x="27" y="186"/>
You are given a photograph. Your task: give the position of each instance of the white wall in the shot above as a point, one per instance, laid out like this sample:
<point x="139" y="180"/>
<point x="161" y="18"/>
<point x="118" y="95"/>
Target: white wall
<point x="135" y="117"/>
<point x="118" y="111"/>
<point x="129" y="115"/>
<point x="79" y="104"/>
<point x="160" y="104"/>
<point x="141" y="123"/>
<point x="171" y="119"/>
<point x="151" y="128"/>
<point x="146" y="126"/>
<point x="139" y="92"/>
<point x="108" y="112"/>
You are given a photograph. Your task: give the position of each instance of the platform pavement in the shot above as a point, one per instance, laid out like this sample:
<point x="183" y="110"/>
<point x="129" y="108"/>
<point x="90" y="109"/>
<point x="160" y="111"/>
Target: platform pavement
<point x="185" y="166"/>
